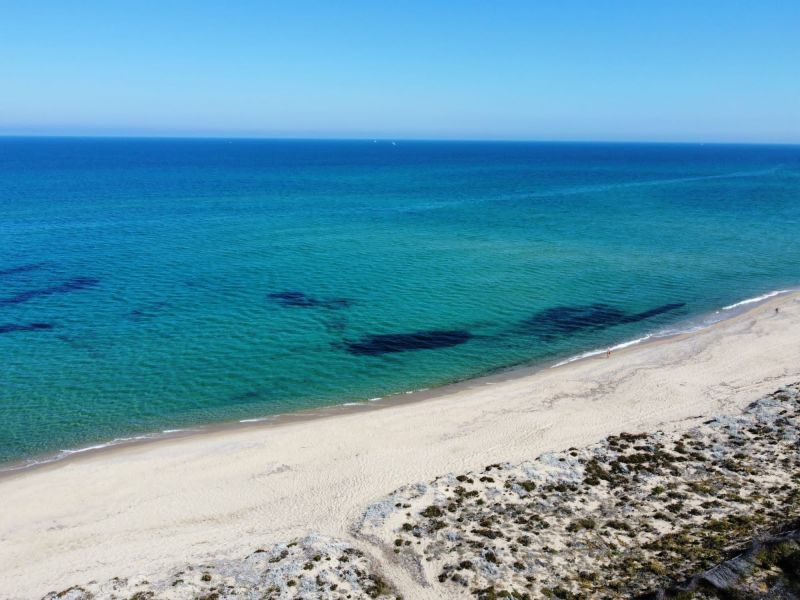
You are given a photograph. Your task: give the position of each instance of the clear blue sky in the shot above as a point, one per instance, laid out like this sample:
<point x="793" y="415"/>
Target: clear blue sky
<point x="693" y="70"/>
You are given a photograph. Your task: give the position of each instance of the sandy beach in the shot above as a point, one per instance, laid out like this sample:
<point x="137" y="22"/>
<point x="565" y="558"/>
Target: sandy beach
<point x="140" y="510"/>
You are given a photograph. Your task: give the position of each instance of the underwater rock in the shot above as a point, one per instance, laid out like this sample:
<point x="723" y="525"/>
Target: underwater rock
<point x="9" y="327"/>
<point x="147" y="311"/>
<point x="20" y="269"/>
<point x="565" y="320"/>
<point x="294" y="299"/>
<point x="373" y="345"/>
<point x="71" y="285"/>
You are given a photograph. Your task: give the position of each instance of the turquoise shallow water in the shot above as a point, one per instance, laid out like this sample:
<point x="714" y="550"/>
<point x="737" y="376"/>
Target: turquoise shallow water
<point x="157" y="284"/>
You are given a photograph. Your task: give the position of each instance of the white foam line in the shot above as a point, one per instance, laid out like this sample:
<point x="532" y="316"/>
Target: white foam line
<point x="669" y="332"/>
<point x="253" y="420"/>
<point x="79" y="450"/>
<point x="375" y="399"/>
<point x="632" y="342"/>
<point x="70" y="451"/>
<point x="756" y="299"/>
<point x="601" y="351"/>
<point x="114" y="442"/>
<point x="352" y="404"/>
<point x="30" y="463"/>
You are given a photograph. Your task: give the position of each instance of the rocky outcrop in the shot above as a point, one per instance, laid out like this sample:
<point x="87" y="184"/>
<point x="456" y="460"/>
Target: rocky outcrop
<point x="623" y="518"/>
<point x="311" y="567"/>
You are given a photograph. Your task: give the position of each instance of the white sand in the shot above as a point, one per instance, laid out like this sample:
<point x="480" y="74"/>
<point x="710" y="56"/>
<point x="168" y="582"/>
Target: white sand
<point x="144" y="509"/>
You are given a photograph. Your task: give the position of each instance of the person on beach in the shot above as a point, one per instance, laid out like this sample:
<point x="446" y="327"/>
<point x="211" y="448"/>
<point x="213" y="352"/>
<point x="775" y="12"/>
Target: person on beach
<point x="608" y="352"/>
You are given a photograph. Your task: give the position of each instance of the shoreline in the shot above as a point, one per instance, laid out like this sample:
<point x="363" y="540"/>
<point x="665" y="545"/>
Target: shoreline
<point x="501" y="375"/>
<point x="139" y="511"/>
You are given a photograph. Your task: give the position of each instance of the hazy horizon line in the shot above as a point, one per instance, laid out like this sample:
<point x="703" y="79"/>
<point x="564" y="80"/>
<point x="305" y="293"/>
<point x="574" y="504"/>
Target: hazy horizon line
<point x="386" y="139"/>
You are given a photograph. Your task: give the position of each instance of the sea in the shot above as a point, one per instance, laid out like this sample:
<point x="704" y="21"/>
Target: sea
<point x="155" y="285"/>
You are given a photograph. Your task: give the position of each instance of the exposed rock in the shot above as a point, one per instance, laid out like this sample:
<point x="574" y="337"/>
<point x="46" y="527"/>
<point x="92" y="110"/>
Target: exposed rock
<point x="312" y="567"/>
<point x="626" y="517"/>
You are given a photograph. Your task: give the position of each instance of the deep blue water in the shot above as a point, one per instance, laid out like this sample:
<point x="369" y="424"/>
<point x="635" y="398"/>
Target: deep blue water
<point x="158" y="284"/>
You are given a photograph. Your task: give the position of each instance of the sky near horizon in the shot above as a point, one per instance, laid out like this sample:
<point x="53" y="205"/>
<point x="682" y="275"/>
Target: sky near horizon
<point x="704" y="70"/>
